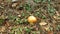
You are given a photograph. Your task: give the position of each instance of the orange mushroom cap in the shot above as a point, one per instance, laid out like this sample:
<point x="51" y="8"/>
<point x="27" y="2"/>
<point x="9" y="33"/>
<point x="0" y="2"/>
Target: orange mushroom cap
<point x="32" y="19"/>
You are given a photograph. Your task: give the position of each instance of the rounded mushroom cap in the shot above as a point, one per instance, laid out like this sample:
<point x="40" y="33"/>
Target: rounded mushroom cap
<point x="32" y="19"/>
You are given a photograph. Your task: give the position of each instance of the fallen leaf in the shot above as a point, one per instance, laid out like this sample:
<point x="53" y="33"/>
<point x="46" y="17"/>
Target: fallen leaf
<point x="50" y="32"/>
<point x="47" y="28"/>
<point x="3" y="29"/>
<point x="14" y="0"/>
<point x="57" y="13"/>
<point x="14" y="5"/>
<point x="42" y="23"/>
<point x="54" y="17"/>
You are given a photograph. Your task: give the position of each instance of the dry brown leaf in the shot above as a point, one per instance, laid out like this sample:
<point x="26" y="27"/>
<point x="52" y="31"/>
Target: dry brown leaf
<point x="7" y="24"/>
<point x="42" y="23"/>
<point x="14" y="5"/>
<point x="3" y="29"/>
<point x="47" y="28"/>
<point x="57" y="13"/>
<point x="50" y="32"/>
<point x="19" y="15"/>
<point x="54" y="17"/>
<point x="14" y="0"/>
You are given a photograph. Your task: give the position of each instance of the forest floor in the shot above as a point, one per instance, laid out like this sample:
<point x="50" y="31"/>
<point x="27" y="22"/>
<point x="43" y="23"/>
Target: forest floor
<point x="14" y="14"/>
